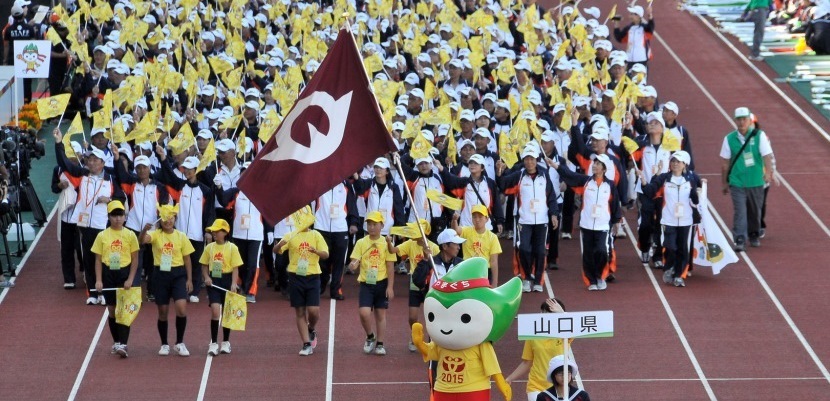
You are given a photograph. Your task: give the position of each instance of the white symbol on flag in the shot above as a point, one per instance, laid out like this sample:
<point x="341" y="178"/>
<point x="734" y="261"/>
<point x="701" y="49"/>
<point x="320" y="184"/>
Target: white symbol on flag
<point x="321" y="145"/>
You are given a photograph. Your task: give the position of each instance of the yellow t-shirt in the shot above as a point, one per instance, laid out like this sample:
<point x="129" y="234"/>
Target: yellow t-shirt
<point x="175" y="244"/>
<point x="373" y="256"/>
<point x="298" y="255"/>
<point x="115" y="246"/>
<point x="540" y="352"/>
<point x="414" y="252"/>
<point x="483" y="245"/>
<point x="227" y="254"/>
<point x="466" y="370"/>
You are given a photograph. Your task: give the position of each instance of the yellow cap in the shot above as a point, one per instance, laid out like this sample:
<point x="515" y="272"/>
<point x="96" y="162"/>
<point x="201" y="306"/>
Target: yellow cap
<point x="219" y="224"/>
<point x="481" y="209"/>
<point x="374" y="216"/>
<point x="114" y="205"/>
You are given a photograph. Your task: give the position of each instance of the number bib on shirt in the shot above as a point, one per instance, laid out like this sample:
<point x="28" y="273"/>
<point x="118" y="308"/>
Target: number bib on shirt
<point x="83" y="219"/>
<point x="534" y="205"/>
<point x="245" y="222"/>
<point x="302" y="267"/>
<point x="596" y="211"/>
<point x="216" y="269"/>
<point x="749" y="161"/>
<point x="334" y="211"/>
<point x="166" y="263"/>
<point x="115" y="261"/>
<point x="372" y="275"/>
<point x="679" y="210"/>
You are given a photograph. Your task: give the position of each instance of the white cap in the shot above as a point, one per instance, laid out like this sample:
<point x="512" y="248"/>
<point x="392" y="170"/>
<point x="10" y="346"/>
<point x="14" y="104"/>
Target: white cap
<point x="683" y="156"/>
<point x="535" y="98"/>
<point x="655" y="116"/>
<point x="636" y="10"/>
<point x="412" y="79"/>
<point x="141" y="161"/>
<point x="617" y="61"/>
<point x="465" y="142"/>
<point x="490" y="96"/>
<point x="225" y="145"/>
<point x="252" y="104"/>
<point x="381" y="162"/>
<point x="592" y="11"/>
<point x="477" y="159"/>
<point x="467" y="115"/>
<point x="191" y="162"/>
<point x="429" y="135"/>
<point x="417" y="92"/>
<point x="482" y="113"/>
<point x="456" y="63"/>
<point x="671" y="106"/>
<point x="398" y="126"/>
<point x="604" y="159"/>
<point x="449" y="235"/>
<point x="523" y="65"/>
<point x="579" y="101"/>
<point x="252" y="92"/>
<point x="742" y="112"/>
<point x="639" y="68"/>
<point x="427" y="159"/>
<point x="609" y="93"/>
<point x="400" y="110"/>
<point x="603" y="44"/>
<point x="97" y="153"/>
<point x="558" y="107"/>
<point x="482" y="132"/>
<point x="548" y="136"/>
<point x="558" y="362"/>
<point x="542" y="123"/>
<point x="503" y="104"/>
<point x="600" y="132"/>
<point x="528" y="115"/>
<point x="649" y="91"/>
<point x="530" y="151"/>
<point x="205" y="134"/>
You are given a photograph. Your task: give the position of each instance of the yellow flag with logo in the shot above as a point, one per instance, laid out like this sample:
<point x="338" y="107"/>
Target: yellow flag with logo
<point x="76" y="127"/>
<point x="208" y="156"/>
<point x="444" y="199"/>
<point x="420" y="147"/>
<point x="53" y="36"/>
<point x="52" y="106"/>
<point x="128" y="303"/>
<point x="219" y="65"/>
<point x="241" y="145"/>
<point x="269" y="125"/>
<point x="235" y="312"/>
<point x="507" y="152"/>
<point x="452" y="148"/>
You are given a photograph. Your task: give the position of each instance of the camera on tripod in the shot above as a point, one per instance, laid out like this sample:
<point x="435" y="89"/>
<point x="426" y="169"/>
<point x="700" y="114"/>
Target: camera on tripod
<point x="19" y="148"/>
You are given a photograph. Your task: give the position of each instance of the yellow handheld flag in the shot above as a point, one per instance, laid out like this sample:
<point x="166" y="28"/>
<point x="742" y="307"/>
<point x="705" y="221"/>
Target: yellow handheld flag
<point x="630" y="145"/>
<point x="269" y="125"/>
<point x="77" y="127"/>
<point x="612" y="13"/>
<point x="444" y="199"/>
<point x="241" y="145"/>
<point x="208" y="156"/>
<point x="128" y="303"/>
<point x="235" y="312"/>
<point x="420" y="147"/>
<point x="410" y="230"/>
<point x="507" y="151"/>
<point x="670" y="141"/>
<point x="452" y="148"/>
<point x="52" y="106"/>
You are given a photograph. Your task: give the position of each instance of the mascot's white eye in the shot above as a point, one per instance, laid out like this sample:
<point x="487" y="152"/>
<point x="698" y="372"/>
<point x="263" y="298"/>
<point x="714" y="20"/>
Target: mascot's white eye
<point x="464" y="324"/>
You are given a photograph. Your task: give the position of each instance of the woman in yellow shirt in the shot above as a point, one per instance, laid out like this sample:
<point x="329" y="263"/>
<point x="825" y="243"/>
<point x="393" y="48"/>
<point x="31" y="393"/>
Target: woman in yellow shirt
<point x="173" y="276"/>
<point x="377" y="280"/>
<point x="536" y="356"/>
<point x="305" y="251"/>
<point x="116" y="249"/>
<point x="220" y="267"/>
<point x="480" y="241"/>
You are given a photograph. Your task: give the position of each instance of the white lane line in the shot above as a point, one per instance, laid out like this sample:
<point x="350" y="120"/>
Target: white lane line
<point x="775" y="301"/>
<point x="725" y="228"/>
<point x="732" y="123"/>
<point x="330" y="357"/>
<point x="29" y="252"/>
<point x="80" y="378"/>
<point x="205" y="376"/>
<point x="769" y="82"/>
<point x="691" y="354"/>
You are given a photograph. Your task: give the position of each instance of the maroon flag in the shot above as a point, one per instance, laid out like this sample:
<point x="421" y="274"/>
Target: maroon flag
<point x="333" y="130"/>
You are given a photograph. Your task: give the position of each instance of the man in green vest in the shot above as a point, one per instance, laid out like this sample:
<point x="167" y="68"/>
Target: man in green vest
<point x="747" y="166"/>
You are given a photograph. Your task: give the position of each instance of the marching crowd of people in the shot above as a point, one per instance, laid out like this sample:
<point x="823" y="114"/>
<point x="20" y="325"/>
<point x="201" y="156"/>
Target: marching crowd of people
<point x="540" y="123"/>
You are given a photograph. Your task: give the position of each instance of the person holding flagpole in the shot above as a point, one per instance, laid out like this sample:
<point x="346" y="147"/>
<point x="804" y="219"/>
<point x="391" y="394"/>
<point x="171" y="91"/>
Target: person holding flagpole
<point x="116" y="262"/>
<point x="381" y="195"/>
<point x="220" y="268"/>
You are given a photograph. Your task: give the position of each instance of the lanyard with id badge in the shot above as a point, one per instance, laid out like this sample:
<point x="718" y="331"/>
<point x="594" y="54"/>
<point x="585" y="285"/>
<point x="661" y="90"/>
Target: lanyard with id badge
<point x="216" y="265"/>
<point x="115" y="260"/>
<point x="166" y="259"/>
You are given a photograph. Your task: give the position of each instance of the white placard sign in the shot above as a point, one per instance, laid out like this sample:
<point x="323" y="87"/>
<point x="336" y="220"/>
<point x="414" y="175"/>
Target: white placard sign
<point x="32" y="58"/>
<point x="534" y="326"/>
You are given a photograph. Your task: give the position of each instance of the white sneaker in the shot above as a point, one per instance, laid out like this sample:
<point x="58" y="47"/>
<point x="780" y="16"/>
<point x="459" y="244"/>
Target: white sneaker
<point x="226" y="347"/>
<point x="181" y="349"/>
<point x="679" y="282"/>
<point x="164" y="350"/>
<point x="101" y="300"/>
<point x="213" y="349"/>
<point x="369" y="345"/>
<point x="68" y="286"/>
<point x="306" y="351"/>
<point x="537" y="288"/>
<point x="601" y="285"/>
<point x="592" y="287"/>
<point x="668" y="276"/>
<point x="412" y="347"/>
<point x="114" y="348"/>
<point x="193" y="299"/>
<point x="380" y="350"/>
<point x="526" y="286"/>
<point x="566" y="236"/>
<point x="121" y="350"/>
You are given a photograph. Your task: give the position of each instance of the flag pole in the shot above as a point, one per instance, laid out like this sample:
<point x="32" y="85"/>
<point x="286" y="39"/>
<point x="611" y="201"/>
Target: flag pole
<point x="396" y="156"/>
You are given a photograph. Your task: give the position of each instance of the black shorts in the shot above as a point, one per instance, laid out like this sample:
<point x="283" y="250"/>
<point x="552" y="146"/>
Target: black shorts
<point x="113" y="279"/>
<point x="416" y="298"/>
<point x="172" y="284"/>
<point x="374" y="296"/>
<point x="215" y="295"/>
<point x="304" y="290"/>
